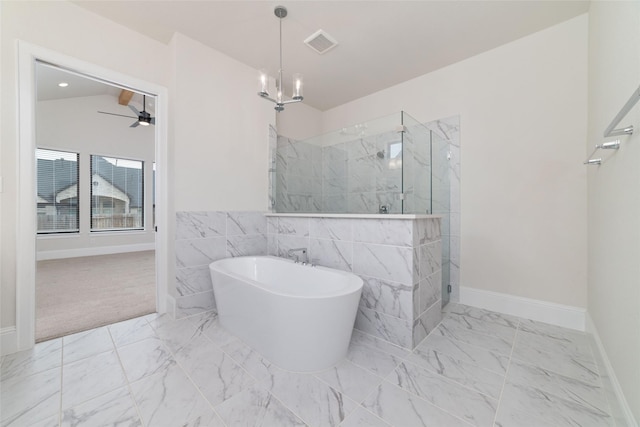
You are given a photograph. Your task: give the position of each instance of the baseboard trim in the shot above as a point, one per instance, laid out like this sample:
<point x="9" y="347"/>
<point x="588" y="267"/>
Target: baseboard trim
<point x="8" y="340"/>
<point x="617" y="389"/>
<point x="99" y="250"/>
<point x="548" y="312"/>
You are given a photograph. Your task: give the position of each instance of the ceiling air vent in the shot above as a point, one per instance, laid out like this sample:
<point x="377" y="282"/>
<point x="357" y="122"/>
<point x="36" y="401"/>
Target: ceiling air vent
<point x="321" y="42"/>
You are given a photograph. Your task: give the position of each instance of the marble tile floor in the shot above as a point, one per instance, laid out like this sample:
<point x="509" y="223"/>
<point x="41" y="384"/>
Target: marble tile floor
<point x="477" y="368"/>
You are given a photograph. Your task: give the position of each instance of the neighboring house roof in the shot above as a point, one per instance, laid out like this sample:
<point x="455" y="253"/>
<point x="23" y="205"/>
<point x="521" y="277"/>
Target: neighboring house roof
<point x="65" y="177"/>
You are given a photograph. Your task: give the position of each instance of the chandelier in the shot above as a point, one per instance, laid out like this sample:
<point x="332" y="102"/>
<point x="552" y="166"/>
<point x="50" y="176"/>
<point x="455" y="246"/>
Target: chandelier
<point x="280" y="12"/>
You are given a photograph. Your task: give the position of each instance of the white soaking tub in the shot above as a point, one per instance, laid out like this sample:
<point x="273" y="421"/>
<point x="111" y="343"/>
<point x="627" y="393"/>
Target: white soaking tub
<point x="300" y="317"/>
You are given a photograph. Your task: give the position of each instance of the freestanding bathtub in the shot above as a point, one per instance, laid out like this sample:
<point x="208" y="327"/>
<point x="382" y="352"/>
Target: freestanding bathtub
<point x="299" y="317"/>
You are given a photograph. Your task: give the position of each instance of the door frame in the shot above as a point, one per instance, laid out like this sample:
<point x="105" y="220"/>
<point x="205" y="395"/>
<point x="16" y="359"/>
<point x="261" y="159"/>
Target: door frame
<point x="26" y="207"/>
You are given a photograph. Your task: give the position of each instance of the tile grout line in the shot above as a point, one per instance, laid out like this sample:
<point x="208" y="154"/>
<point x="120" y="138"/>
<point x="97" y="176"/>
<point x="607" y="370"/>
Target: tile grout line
<point x="126" y="377"/>
<point x="444" y="378"/>
<point x="506" y="373"/>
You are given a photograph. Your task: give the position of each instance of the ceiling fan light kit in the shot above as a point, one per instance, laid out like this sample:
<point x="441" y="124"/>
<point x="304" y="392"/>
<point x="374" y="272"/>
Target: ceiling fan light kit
<point x="281" y="13"/>
<point x="144" y="118"/>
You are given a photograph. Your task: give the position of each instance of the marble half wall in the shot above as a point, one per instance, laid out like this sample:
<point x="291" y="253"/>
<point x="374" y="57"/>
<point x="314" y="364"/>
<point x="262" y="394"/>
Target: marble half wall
<point x="399" y="261"/>
<point x="204" y="237"/>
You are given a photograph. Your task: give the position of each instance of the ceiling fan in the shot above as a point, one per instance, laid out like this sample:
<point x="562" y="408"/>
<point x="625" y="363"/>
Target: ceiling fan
<point x="143" y="118"/>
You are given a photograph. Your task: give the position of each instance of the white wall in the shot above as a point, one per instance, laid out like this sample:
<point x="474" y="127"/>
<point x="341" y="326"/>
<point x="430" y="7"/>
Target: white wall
<point x="74" y="125"/>
<point x="70" y="30"/>
<point x="614" y="191"/>
<point x="218" y="126"/>
<point x="221" y="132"/>
<point x="299" y="121"/>
<point x="522" y="110"/>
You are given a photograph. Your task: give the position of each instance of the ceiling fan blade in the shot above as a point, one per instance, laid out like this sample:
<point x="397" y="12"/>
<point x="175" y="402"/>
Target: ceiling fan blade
<point x="135" y="124"/>
<point x="153" y="120"/>
<point x="114" y="114"/>
<point x="134" y="109"/>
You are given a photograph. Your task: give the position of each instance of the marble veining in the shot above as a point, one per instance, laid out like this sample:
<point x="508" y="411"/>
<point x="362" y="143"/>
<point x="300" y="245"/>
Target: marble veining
<point x="158" y="371"/>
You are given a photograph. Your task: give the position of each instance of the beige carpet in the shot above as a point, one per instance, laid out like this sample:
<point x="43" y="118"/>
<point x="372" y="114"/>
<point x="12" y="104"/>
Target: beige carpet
<point x="77" y="294"/>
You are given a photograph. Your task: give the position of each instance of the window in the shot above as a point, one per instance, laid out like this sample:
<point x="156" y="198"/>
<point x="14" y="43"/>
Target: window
<point x="57" y="188"/>
<point x="117" y="194"/>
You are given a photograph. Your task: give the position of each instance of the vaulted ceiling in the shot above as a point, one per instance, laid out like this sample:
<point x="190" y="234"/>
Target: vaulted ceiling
<point x="381" y="43"/>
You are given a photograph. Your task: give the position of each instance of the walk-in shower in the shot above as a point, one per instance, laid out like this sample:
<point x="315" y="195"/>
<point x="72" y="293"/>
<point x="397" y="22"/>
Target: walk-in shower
<point x="390" y="165"/>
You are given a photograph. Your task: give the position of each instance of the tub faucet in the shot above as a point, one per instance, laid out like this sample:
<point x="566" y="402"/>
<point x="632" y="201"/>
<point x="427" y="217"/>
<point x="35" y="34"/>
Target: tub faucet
<point x="292" y="253"/>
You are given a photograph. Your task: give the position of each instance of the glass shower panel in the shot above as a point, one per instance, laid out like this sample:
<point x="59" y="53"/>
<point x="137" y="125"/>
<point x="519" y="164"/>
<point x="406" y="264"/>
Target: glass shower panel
<point x="417" y="167"/>
<point x="440" y="190"/>
<point x="356" y="169"/>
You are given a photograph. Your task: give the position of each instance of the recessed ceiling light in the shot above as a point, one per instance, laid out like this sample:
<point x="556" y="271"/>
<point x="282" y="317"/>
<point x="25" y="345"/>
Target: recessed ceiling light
<point x="63" y="84"/>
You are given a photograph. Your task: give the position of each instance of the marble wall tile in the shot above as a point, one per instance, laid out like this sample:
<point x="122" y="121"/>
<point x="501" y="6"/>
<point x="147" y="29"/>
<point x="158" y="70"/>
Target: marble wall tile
<point x="246" y="245"/>
<point x="383" y="231"/>
<point x="389" y="328"/>
<point x="361" y="147"/>
<point x="386" y="297"/>
<point x="430" y="290"/>
<point x="430" y="258"/>
<point x="195" y="303"/>
<point x="427" y="322"/>
<point x="193" y="280"/>
<point x="331" y="228"/>
<point x="272" y="244"/>
<point x="336" y="203"/>
<point x="191" y="225"/>
<point x="293" y="226"/>
<point x="334" y="186"/>
<point x="246" y="223"/>
<point x="331" y="253"/>
<point x="272" y="225"/>
<point x="199" y="252"/>
<point x="290" y="242"/>
<point x="392" y="263"/>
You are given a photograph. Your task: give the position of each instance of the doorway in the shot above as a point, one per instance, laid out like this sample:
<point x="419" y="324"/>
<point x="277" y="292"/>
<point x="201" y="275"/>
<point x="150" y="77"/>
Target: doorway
<point x="95" y="243"/>
<point x="110" y="242"/>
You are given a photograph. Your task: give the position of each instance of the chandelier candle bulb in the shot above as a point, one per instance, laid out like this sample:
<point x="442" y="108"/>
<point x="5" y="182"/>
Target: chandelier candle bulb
<point x="264" y="83"/>
<point x="297" y="86"/>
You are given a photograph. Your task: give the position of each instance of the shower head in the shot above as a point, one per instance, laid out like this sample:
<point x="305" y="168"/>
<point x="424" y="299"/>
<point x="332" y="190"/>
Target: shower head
<point x="380" y="154"/>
